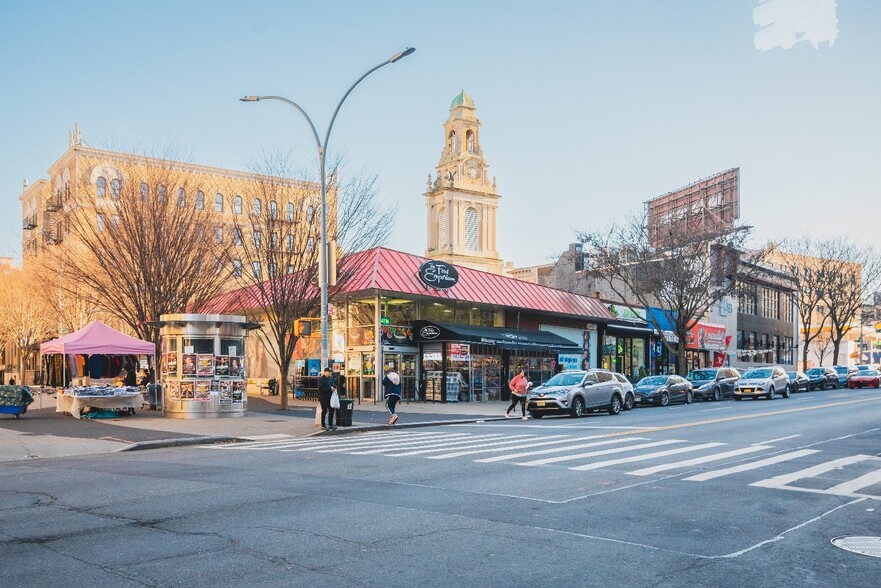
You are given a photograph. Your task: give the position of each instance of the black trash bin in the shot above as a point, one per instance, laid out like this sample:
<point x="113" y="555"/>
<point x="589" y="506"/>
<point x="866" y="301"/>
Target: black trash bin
<point x="154" y="396"/>
<point x="344" y="412"/>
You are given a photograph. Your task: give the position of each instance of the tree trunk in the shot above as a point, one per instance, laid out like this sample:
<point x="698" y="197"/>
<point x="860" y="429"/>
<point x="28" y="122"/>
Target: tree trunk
<point x="681" y="368"/>
<point x="804" y="358"/>
<point x="836" y="347"/>
<point x="283" y="386"/>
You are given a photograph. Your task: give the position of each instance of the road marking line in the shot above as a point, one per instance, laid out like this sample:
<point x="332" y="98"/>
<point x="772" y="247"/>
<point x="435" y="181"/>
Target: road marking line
<point x="835" y="464"/>
<point x="298" y="441"/>
<point x="540" y="462"/>
<point x="433" y="445"/>
<point x="556" y="450"/>
<point x="646" y="456"/>
<point x="352" y="442"/>
<point x="775" y="440"/>
<point x="857" y="483"/>
<point x="697" y="460"/>
<point x="713" y="409"/>
<point x="389" y="445"/>
<point x="507" y="444"/>
<point x="754" y="465"/>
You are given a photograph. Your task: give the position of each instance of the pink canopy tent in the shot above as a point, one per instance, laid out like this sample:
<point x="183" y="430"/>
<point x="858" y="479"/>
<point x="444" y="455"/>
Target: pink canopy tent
<point x="96" y="337"/>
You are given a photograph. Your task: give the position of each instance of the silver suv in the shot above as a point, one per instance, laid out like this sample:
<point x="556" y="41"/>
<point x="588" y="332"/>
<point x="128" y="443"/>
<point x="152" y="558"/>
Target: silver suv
<point x="762" y="381"/>
<point x="574" y="392"/>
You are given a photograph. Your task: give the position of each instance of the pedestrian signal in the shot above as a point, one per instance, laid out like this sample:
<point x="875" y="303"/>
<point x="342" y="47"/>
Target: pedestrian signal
<point x="302" y="327"/>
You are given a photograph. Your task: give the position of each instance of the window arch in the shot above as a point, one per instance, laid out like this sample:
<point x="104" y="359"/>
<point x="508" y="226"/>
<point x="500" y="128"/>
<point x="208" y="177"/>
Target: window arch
<point x="162" y="193"/>
<point x="452" y="141"/>
<point x="181" y="198"/>
<point x="310" y="213"/>
<point x="310" y="245"/>
<point x="145" y="191"/>
<point x="218" y="202"/>
<point x="237" y="205"/>
<point x="442" y="228"/>
<point x="101" y="187"/>
<point x="472" y="233"/>
<point x="258" y="206"/>
<point x="290" y="212"/>
<point x="469" y="141"/>
<point x="114" y="188"/>
<point x="289" y="239"/>
<point x="200" y="200"/>
<point x="273" y="209"/>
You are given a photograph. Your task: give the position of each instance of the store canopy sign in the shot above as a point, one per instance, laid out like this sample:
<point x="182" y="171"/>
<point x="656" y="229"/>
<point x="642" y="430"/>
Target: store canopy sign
<point x="709" y="337"/>
<point x="438" y="274"/>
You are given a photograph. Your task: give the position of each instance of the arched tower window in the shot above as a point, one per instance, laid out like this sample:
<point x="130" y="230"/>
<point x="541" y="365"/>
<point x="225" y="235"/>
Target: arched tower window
<point x="452" y="142"/>
<point x="237" y="205"/>
<point x="101" y="186"/>
<point x="218" y="202"/>
<point x="145" y="191"/>
<point x="471" y="230"/>
<point x="469" y="140"/>
<point x="442" y="228"/>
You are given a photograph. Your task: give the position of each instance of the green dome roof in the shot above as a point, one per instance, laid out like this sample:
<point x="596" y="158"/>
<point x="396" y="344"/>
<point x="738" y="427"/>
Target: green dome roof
<point x="462" y="99"/>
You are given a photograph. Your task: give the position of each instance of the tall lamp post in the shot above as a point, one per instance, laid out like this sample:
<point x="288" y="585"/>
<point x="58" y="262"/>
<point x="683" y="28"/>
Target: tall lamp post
<point x="322" y="153"/>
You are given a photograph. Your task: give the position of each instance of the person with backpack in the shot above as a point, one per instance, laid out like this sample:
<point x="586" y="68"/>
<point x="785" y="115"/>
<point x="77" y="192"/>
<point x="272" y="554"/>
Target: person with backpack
<point x="326" y="388"/>
<point x="519" y="386"/>
<point x="392" y="385"/>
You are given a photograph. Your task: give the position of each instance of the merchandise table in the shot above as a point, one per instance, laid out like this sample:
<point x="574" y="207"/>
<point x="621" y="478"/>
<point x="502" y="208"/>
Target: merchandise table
<point x="74" y="404"/>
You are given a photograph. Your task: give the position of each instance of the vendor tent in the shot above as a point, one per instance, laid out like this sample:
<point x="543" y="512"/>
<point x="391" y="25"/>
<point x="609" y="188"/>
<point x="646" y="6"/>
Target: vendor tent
<point x="96" y="337"/>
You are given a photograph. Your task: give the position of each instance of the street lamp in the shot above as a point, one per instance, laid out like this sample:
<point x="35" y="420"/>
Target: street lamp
<point x="322" y="152"/>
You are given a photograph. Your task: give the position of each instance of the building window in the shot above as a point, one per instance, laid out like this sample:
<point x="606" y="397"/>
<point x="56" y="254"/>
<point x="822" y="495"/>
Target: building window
<point x="452" y="141"/>
<point x="273" y="209"/>
<point x="237" y="205"/>
<point x="290" y="212"/>
<point x="237" y="267"/>
<point x="258" y="207"/>
<point x="181" y="198"/>
<point x="310" y="214"/>
<point x="289" y="242"/>
<point x="237" y="237"/>
<point x="200" y="200"/>
<point x="740" y="340"/>
<point x="290" y="269"/>
<point x="273" y="240"/>
<point x="746" y="299"/>
<point x="770" y="303"/>
<point x="145" y="191"/>
<point x="162" y="193"/>
<point x="255" y="267"/>
<point x="114" y="188"/>
<point x="471" y="232"/>
<point x="469" y="140"/>
<point x="218" y="235"/>
<point x="273" y="270"/>
<point x="101" y="187"/>
<point x="100" y="222"/>
<point x="442" y="228"/>
<point x="258" y="239"/>
<point x="310" y="245"/>
<point x="218" y="202"/>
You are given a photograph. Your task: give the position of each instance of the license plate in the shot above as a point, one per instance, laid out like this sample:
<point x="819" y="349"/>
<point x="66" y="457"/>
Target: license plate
<point x="747" y="390"/>
<point x="540" y="403"/>
<point x="637" y="400"/>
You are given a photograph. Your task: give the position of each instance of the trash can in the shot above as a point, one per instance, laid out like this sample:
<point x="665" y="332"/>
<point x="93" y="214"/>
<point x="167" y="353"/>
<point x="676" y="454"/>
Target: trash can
<point x="344" y="412"/>
<point x="154" y="396"/>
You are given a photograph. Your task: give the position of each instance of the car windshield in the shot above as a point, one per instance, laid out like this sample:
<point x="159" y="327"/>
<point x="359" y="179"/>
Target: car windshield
<point x="841" y="369"/>
<point x="757" y="374"/>
<point x="869" y="372"/>
<point x="652" y="381"/>
<point x="792" y="375"/>
<point x="701" y="375"/>
<point x="815" y="372"/>
<point x="564" y="379"/>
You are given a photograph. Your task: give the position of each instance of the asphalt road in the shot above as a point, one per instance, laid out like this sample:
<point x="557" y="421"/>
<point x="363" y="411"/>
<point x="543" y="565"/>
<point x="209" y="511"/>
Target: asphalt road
<point x="712" y="494"/>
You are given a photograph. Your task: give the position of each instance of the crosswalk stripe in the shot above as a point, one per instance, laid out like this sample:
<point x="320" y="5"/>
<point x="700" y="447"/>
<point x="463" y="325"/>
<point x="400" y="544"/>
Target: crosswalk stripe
<point x="697" y="460"/>
<point x="810" y="472"/>
<point x="539" y="462"/>
<point x="298" y="441"/>
<point x="610" y="462"/>
<point x="549" y="440"/>
<point x="857" y="483"/>
<point x="470" y="440"/>
<point x="355" y="444"/>
<point x="557" y="449"/>
<point x="505" y="444"/>
<point x="349" y="441"/>
<point x="751" y="465"/>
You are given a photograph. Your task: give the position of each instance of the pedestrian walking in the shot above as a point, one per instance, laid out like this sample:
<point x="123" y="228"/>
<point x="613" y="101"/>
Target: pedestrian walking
<point x="326" y="388"/>
<point x="392" y="385"/>
<point x="519" y="386"/>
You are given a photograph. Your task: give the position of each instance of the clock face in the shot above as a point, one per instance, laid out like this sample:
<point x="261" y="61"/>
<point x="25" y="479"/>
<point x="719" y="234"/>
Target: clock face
<point x="472" y="169"/>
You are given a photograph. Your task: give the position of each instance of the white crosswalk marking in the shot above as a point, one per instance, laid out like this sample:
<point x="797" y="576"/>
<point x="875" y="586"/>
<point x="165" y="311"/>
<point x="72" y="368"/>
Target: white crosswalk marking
<point x="856" y="484"/>
<point x="643" y="457"/>
<point x="398" y="443"/>
<point x="425" y="445"/>
<point x="810" y="472"/>
<point x="509" y="443"/>
<point x="540" y="462"/>
<point x="697" y="461"/>
<point x="545" y="441"/>
<point x="320" y="444"/>
<point x="556" y="449"/>
<point x="751" y="465"/>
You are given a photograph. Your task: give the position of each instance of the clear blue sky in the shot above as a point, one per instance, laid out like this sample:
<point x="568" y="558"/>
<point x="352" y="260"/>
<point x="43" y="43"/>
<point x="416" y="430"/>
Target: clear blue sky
<point x="588" y="108"/>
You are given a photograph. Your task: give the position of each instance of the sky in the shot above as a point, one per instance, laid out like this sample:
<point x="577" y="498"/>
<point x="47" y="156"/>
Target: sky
<point x="588" y="108"/>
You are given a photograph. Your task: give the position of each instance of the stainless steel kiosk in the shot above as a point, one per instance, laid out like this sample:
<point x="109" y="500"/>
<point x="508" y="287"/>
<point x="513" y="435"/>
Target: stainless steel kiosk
<point x="202" y="365"/>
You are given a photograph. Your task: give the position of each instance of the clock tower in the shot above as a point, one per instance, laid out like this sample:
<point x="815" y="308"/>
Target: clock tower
<point x="461" y="201"/>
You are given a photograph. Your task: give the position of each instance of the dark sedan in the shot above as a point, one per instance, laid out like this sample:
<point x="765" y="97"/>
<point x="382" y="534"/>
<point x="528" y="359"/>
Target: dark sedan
<point x="864" y="378"/>
<point x="713" y="383"/>
<point x="662" y="390"/>
<point x="822" y="378"/>
<point x="799" y="381"/>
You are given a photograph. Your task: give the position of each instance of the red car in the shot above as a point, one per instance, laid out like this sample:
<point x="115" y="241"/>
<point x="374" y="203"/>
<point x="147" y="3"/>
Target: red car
<point x="865" y="378"/>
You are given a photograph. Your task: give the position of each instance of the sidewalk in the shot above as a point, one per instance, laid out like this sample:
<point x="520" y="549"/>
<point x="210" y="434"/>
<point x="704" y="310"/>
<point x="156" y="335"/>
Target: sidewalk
<point x="42" y="432"/>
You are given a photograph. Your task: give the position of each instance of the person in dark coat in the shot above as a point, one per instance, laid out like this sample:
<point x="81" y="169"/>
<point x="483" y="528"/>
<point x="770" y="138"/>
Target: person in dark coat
<point x="11" y="381"/>
<point x="392" y="384"/>
<point x="326" y="387"/>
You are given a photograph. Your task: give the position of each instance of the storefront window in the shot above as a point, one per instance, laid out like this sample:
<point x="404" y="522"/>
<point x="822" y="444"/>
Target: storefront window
<point x="400" y="312"/>
<point x="439" y="312"/>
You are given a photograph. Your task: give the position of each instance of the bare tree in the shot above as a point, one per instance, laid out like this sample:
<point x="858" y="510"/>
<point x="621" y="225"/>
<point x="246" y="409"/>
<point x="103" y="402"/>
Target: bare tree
<point x="137" y="245"/>
<point x="25" y="320"/>
<point x="276" y="241"/>
<point x="684" y="277"/>
<point x="821" y="344"/>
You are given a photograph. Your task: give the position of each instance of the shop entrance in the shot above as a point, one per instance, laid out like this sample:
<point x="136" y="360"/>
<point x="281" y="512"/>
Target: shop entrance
<point x="486" y="377"/>
<point x="405" y="365"/>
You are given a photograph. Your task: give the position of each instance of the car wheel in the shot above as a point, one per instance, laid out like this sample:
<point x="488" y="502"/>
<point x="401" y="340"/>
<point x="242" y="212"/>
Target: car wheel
<point x="823" y="386"/>
<point x="689" y="396"/>
<point x="717" y="394"/>
<point x="628" y="402"/>
<point x="771" y="393"/>
<point x="877" y="383"/>
<point x="577" y="407"/>
<point x="536" y="415"/>
<point x="738" y="398"/>
<point x="665" y="399"/>
<point x="615" y="405"/>
<point x="786" y="392"/>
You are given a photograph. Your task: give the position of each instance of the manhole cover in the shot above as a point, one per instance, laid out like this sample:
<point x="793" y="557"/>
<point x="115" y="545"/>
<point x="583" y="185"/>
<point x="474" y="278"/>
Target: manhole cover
<point x="870" y="546"/>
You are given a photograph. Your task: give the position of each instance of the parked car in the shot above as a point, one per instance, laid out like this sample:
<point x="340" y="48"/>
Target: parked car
<point x="799" y="381"/>
<point x="764" y="381"/>
<point x="713" y="383"/>
<point x="662" y="390"/>
<point x="574" y="392"/>
<point x="822" y="378"/>
<point x="627" y="389"/>
<point x="844" y="372"/>
<point x="864" y="378"/>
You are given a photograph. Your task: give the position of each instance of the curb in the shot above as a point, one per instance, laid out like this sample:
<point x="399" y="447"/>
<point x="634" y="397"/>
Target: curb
<point x="182" y="442"/>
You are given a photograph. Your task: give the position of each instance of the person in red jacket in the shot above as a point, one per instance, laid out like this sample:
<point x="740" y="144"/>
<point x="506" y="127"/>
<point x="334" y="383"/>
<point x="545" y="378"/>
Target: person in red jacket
<point x="519" y="385"/>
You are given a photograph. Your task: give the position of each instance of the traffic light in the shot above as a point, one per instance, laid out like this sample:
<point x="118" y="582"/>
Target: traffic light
<point x="302" y="327"/>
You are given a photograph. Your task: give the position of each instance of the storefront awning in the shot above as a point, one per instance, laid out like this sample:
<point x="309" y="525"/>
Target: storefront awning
<point x="631" y="328"/>
<point x="427" y="331"/>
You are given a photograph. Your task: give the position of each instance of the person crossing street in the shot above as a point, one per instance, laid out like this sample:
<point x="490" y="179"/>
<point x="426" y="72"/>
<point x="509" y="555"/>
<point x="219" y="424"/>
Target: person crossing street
<point x="392" y="385"/>
<point x="519" y="386"/>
